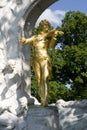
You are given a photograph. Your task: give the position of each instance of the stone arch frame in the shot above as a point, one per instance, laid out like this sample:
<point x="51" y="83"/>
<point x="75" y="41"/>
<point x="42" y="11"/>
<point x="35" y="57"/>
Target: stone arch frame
<point x="29" y="19"/>
<point x="33" y="12"/>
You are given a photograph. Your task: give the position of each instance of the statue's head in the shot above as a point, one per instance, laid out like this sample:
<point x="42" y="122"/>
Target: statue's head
<point x="44" y="24"/>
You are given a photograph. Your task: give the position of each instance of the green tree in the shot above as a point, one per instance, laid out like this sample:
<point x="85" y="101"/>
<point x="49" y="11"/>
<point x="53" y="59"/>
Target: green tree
<point x="74" y="26"/>
<point x="74" y="53"/>
<point x="58" y="91"/>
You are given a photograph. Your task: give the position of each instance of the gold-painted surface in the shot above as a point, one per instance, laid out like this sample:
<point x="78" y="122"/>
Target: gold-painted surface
<point x="41" y="62"/>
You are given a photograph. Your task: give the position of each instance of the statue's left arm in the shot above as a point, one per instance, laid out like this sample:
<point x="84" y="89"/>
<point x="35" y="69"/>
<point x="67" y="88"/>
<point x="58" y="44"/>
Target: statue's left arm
<point x="53" y="34"/>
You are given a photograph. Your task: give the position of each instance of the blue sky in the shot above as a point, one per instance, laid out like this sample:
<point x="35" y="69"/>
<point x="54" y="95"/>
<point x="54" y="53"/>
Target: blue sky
<point x="55" y="13"/>
<point x="66" y="5"/>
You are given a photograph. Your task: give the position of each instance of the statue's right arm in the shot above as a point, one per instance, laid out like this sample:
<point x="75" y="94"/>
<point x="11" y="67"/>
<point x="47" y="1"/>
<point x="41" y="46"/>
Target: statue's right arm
<point x="26" y="40"/>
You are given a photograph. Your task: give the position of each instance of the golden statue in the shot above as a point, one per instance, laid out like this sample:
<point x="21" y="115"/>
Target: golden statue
<point x="41" y="62"/>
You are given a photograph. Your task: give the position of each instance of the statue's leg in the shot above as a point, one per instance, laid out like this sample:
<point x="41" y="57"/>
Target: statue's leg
<point x="42" y="72"/>
<point x="49" y="67"/>
<point x="38" y="72"/>
<point x="44" y="83"/>
<point x="36" y="68"/>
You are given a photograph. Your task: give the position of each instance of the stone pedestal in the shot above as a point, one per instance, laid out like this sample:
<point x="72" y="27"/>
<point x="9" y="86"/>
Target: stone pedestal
<point x="72" y="115"/>
<point x="42" y="118"/>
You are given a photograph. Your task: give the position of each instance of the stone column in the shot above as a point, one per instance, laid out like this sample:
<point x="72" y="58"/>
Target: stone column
<point x="14" y="70"/>
<point x="13" y="86"/>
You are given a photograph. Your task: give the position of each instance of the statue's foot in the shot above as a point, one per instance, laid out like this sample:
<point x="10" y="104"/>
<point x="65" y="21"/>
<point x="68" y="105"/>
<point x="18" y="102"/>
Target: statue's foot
<point x="44" y="104"/>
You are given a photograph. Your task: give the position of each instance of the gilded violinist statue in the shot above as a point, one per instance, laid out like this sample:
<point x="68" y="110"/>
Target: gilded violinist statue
<point x="41" y="62"/>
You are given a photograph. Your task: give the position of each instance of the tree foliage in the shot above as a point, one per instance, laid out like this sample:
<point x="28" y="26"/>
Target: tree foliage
<point x="74" y="53"/>
<point x="74" y="26"/>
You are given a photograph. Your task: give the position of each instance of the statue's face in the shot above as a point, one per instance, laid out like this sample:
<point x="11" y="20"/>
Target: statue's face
<point x="44" y="25"/>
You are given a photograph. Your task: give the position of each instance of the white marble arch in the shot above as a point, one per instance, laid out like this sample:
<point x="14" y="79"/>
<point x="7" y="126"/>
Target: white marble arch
<point x="17" y="19"/>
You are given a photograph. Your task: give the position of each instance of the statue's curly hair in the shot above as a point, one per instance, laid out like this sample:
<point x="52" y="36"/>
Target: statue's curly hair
<point x="44" y="23"/>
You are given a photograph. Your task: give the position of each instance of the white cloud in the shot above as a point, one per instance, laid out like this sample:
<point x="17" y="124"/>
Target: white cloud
<point x="54" y="17"/>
